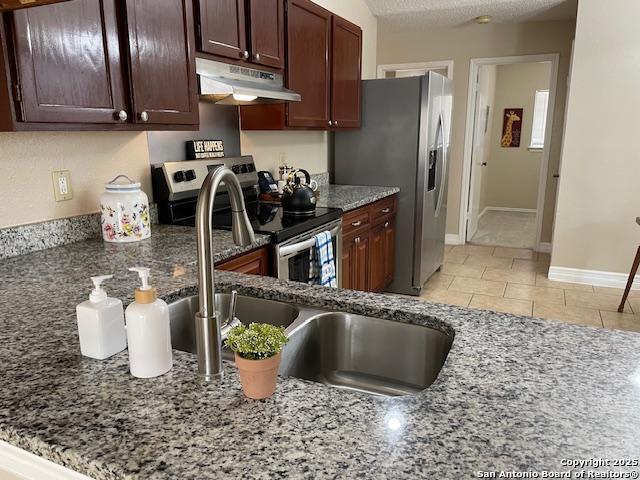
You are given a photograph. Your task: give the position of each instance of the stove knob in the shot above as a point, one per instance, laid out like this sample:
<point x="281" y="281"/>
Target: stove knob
<point x="190" y="175"/>
<point x="235" y="169"/>
<point x="243" y="168"/>
<point x="250" y="167"/>
<point x="179" y="176"/>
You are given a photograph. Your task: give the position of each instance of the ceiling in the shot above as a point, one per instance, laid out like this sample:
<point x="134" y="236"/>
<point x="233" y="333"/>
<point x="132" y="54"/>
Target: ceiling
<point x="403" y="14"/>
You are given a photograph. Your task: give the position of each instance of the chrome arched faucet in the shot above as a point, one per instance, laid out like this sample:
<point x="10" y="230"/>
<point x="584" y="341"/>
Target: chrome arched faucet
<point x="208" y="326"/>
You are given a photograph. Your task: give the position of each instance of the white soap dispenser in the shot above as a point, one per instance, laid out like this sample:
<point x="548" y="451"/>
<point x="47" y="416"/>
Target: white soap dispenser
<point x="101" y="323"/>
<point x="148" y="331"/>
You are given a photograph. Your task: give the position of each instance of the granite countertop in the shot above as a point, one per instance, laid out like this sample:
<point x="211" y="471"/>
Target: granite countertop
<point x="350" y="197"/>
<point x="515" y="392"/>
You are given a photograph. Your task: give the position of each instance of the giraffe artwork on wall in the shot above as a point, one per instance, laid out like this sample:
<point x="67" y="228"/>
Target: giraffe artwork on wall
<point x="511" y="127"/>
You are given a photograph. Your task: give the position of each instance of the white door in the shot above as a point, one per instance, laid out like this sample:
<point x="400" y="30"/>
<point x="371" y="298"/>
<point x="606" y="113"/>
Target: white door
<point x="479" y="153"/>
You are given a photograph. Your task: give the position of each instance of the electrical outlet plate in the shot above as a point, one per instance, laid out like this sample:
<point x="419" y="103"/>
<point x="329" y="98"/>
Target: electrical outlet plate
<point x="62" y="185"/>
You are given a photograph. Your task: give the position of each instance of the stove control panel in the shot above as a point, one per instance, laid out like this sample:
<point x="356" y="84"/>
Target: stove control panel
<point x="184" y="179"/>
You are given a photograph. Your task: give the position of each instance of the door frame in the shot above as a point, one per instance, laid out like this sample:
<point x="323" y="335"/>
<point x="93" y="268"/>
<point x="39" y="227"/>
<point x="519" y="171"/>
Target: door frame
<point x="476" y="63"/>
<point x="435" y="65"/>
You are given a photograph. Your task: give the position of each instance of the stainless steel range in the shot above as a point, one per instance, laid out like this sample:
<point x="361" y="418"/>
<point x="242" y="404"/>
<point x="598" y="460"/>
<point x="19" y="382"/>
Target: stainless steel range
<point x="176" y="186"/>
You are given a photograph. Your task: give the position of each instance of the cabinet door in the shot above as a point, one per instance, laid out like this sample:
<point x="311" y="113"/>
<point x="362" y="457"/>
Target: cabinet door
<point x="163" y="73"/>
<point x="69" y="63"/>
<point x="346" y="74"/>
<point x="377" y="259"/>
<point x="361" y="263"/>
<point x="347" y="264"/>
<point x="389" y="252"/>
<point x="266" y="29"/>
<point x="252" y="263"/>
<point x="222" y="28"/>
<point x="308" y="72"/>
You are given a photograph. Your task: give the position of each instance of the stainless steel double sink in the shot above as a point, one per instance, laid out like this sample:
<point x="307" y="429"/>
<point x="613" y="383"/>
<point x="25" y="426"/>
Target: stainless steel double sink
<point x="342" y="350"/>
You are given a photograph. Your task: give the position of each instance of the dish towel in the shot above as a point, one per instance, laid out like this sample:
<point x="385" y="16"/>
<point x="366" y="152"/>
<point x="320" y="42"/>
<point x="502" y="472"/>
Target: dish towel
<point x="322" y="268"/>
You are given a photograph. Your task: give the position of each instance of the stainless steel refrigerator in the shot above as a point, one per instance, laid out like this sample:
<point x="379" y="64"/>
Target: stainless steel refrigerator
<point x="404" y="142"/>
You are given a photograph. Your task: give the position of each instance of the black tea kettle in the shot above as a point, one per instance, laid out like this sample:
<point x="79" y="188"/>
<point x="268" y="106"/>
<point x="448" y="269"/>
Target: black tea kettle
<point x="297" y="197"/>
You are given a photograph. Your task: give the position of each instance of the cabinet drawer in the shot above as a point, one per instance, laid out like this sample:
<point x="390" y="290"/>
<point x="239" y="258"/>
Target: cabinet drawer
<point x="383" y="208"/>
<point x="356" y="220"/>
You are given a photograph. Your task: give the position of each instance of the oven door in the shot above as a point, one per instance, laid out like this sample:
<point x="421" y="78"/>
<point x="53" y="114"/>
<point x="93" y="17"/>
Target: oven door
<point x="293" y="257"/>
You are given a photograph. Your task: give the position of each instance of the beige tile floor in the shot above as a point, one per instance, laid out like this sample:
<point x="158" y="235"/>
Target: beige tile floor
<point x="514" y="280"/>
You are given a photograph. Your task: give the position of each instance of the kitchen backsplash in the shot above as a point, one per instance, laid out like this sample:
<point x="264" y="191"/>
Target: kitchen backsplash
<point x="29" y="238"/>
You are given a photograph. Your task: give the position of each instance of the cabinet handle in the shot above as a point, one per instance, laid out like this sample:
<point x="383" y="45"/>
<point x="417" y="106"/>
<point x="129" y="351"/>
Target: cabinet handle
<point x="356" y="224"/>
<point x="330" y="123"/>
<point x="144" y="116"/>
<point x="244" y="55"/>
<point x="386" y="224"/>
<point x="335" y="122"/>
<point x="122" y="116"/>
<point x="356" y="240"/>
<point x="256" y="57"/>
<point x="385" y="210"/>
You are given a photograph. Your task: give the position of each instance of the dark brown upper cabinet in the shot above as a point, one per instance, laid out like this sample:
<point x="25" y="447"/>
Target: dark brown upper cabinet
<point x="222" y="28"/>
<point x="99" y="65"/>
<point x="55" y="43"/>
<point x="266" y="30"/>
<point x="308" y="71"/>
<point x="345" y="74"/>
<point x="324" y="57"/>
<point x="164" y="87"/>
<point x="243" y="31"/>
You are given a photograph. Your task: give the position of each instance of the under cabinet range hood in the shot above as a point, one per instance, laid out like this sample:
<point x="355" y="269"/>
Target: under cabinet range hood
<point x="235" y="85"/>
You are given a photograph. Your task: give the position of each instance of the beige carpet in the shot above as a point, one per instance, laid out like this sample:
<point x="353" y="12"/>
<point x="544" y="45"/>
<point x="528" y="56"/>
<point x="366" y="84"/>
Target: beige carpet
<point x="506" y="229"/>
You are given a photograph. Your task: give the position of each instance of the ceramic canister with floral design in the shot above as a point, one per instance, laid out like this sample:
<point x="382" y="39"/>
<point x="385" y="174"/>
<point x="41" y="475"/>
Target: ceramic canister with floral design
<point x="125" y="211"/>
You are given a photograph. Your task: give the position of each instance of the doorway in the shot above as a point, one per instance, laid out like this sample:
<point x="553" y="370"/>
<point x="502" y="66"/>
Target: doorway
<point x="509" y="123"/>
<point x="399" y="70"/>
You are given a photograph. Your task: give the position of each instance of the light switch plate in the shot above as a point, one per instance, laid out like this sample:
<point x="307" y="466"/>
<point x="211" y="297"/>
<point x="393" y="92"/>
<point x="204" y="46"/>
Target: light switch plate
<point x="62" y="185"/>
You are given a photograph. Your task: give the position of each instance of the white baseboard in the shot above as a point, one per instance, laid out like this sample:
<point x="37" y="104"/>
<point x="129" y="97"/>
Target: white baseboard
<point x="592" y="277"/>
<point x="484" y="210"/>
<point x="544" y="247"/>
<point x="453" y="239"/>
<point x="508" y="209"/>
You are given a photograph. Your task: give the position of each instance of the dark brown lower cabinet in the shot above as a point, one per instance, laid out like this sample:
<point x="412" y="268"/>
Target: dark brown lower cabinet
<point x="255" y="262"/>
<point x="368" y="246"/>
<point x="355" y="264"/>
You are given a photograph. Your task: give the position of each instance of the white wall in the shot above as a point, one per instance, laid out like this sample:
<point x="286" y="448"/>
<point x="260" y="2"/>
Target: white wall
<point x="600" y="177"/>
<point x="309" y="149"/>
<point x="28" y="158"/>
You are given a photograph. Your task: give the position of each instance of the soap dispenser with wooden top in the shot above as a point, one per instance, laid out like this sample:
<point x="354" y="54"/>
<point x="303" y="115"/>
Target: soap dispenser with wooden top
<point x="148" y="331"/>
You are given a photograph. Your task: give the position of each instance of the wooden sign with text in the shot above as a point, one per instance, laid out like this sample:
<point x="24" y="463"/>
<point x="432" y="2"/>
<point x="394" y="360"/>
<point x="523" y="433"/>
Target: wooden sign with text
<point x="197" y="149"/>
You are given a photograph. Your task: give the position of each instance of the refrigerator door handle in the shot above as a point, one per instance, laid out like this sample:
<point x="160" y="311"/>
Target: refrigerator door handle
<point x="443" y="169"/>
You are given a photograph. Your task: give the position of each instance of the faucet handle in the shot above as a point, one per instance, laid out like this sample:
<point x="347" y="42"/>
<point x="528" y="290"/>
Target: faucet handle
<point x="231" y="321"/>
<point x="232" y="306"/>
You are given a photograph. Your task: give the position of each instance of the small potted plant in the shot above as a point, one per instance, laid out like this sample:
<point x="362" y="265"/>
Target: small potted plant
<point x="258" y="351"/>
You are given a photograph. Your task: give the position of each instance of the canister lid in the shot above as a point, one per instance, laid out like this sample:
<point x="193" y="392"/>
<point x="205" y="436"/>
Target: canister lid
<point x="122" y="183"/>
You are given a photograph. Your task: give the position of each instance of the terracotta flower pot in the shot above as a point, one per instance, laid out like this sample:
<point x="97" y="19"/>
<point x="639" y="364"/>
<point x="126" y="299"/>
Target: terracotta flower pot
<point x="258" y="377"/>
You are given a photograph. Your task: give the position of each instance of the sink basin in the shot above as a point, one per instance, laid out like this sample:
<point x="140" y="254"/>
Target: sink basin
<point x="248" y="309"/>
<point x="342" y="350"/>
<point x="365" y="354"/>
